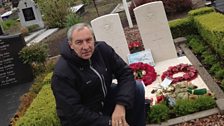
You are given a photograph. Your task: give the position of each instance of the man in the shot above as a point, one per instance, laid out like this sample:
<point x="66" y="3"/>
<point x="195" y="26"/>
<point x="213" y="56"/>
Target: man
<point x="82" y="84"/>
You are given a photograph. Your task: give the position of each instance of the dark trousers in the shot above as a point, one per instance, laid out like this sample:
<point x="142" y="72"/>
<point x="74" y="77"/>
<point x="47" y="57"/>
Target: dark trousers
<point x="134" y="116"/>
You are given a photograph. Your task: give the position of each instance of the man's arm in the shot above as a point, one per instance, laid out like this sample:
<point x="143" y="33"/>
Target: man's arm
<point x="69" y="108"/>
<point x="118" y="116"/>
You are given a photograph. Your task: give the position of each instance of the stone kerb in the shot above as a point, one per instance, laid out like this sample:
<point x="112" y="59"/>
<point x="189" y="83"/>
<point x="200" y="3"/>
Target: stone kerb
<point x="108" y="28"/>
<point x="29" y="14"/>
<point x="154" y="30"/>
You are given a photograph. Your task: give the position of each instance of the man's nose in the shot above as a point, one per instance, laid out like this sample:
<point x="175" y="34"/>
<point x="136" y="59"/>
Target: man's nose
<point x="85" y="45"/>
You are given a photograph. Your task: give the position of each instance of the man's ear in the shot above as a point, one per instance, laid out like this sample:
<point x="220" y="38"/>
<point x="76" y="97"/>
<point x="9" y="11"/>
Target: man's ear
<point x="70" y="44"/>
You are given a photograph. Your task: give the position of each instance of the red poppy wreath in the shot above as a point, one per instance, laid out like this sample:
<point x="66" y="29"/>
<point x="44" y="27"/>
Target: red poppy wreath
<point x="189" y="71"/>
<point x="144" y="72"/>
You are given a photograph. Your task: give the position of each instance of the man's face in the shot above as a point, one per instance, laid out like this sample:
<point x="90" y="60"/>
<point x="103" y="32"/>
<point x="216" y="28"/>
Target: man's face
<point x="82" y="43"/>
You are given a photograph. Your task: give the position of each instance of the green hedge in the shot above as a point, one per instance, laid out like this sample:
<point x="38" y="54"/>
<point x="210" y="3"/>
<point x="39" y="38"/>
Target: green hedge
<point x="211" y="28"/>
<point x="161" y="112"/>
<point x="42" y="111"/>
<point x="201" y="11"/>
<point x="182" y="27"/>
<point x="185" y="26"/>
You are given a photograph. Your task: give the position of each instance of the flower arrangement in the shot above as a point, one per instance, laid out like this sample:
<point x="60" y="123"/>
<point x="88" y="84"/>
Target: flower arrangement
<point x="144" y="72"/>
<point x="190" y="73"/>
<point x="135" y="46"/>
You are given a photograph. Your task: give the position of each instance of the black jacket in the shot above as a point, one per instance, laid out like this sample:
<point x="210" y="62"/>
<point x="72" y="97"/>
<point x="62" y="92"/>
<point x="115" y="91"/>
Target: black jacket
<point x="80" y="86"/>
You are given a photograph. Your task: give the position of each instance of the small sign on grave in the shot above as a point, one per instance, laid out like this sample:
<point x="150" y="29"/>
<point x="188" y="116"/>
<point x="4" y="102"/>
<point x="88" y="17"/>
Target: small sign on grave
<point x="29" y="14"/>
<point x="142" y="56"/>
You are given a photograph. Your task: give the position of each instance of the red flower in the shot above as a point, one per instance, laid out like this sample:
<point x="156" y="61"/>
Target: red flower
<point x="190" y="73"/>
<point x="144" y="72"/>
<point x="135" y="46"/>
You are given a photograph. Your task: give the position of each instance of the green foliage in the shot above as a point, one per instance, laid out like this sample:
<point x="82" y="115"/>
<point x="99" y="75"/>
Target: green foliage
<point x="72" y="19"/>
<point x="33" y="28"/>
<point x="42" y="111"/>
<point x="222" y="84"/>
<point x="55" y="11"/>
<point x="209" y="58"/>
<point x="8" y="23"/>
<point x="184" y="107"/>
<point x="40" y="80"/>
<point x="215" y="67"/>
<point x="86" y="2"/>
<point x="26" y="99"/>
<point x="182" y="27"/>
<point x="47" y="79"/>
<point x="204" y="103"/>
<point x="201" y="11"/>
<point x="188" y="106"/>
<point x="197" y="45"/>
<point x="35" y="53"/>
<point x="211" y="28"/>
<point x="219" y="74"/>
<point x="158" y="113"/>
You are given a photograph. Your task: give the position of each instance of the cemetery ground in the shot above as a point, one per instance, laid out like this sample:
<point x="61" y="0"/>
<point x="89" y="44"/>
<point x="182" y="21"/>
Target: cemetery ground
<point x="132" y="35"/>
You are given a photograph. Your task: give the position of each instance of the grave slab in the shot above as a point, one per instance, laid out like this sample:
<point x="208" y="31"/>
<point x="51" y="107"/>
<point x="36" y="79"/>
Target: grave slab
<point x="33" y="35"/>
<point x="162" y="66"/>
<point x="42" y="36"/>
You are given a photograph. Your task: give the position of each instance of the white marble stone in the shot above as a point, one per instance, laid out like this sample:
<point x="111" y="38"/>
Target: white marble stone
<point x="6" y="14"/>
<point x="162" y="66"/>
<point x="76" y="8"/>
<point x="108" y="28"/>
<point x="33" y="35"/>
<point x="154" y="30"/>
<point x="42" y="36"/>
<point x="29" y="14"/>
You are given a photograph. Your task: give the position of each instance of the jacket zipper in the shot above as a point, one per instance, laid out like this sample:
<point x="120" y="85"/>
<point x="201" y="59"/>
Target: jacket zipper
<point x="101" y="80"/>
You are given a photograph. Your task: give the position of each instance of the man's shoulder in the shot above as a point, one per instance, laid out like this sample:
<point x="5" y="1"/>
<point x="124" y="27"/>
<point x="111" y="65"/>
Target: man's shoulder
<point x="102" y="46"/>
<point x="62" y="68"/>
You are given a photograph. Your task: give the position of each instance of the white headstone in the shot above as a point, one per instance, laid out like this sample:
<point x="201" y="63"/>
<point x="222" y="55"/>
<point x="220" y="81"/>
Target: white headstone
<point x="29" y="13"/>
<point x="108" y="28"/>
<point x="154" y="30"/>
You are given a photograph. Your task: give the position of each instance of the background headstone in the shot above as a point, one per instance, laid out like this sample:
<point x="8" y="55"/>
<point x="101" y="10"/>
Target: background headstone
<point x="15" y="3"/>
<point x="29" y="14"/>
<point x="12" y="70"/>
<point x="108" y="28"/>
<point x="154" y="30"/>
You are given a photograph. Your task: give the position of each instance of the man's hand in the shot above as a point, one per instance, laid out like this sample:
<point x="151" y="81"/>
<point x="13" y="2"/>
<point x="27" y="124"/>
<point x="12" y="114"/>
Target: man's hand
<point x="118" y="116"/>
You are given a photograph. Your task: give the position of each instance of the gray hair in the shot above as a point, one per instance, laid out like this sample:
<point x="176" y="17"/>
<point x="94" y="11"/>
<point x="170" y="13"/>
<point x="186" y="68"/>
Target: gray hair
<point x="78" y="27"/>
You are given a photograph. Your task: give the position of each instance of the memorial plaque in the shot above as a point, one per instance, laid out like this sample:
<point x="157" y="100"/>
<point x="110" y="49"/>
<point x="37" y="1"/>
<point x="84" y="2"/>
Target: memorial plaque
<point x="28" y="14"/>
<point x="12" y="69"/>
